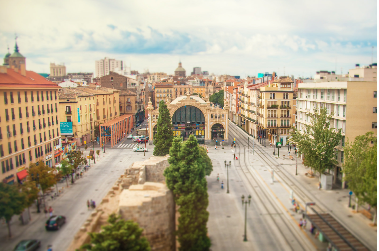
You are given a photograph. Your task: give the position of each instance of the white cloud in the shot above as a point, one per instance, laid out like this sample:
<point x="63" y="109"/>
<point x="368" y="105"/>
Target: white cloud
<point x="235" y="37"/>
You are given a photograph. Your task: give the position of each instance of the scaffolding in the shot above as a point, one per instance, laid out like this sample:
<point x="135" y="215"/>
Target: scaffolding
<point x="114" y="130"/>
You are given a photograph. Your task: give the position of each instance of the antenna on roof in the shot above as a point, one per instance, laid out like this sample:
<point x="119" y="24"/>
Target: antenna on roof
<point x="372" y="55"/>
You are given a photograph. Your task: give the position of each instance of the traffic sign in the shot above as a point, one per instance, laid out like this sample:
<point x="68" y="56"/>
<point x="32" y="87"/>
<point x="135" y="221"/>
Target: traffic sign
<point x="350" y="193"/>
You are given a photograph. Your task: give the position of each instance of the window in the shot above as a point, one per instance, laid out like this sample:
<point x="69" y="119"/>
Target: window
<point x="5" y="98"/>
<point x="11" y="96"/>
<point x="13" y="115"/>
<point x="285" y="95"/>
<point x="6" y="115"/>
<point x="14" y="130"/>
<point x="3" y="166"/>
<point x="29" y="143"/>
<point x="41" y="95"/>
<point x="21" y="130"/>
<point x="343" y="141"/>
<point x="51" y="95"/>
<point x="26" y="96"/>
<point x="37" y="95"/>
<point x="47" y="95"/>
<point x="19" y="97"/>
<point x="26" y="112"/>
<point x="374" y="110"/>
<point x="1" y="151"/>
<point x="15" y="146"/>
<point x="11" y="163"/>
<point x="374" y="94"/>
<point x="31" y="96"/>
<point x="322" y="94"/>
<point x="344" y="95"/>
<point x="22" y="144"/>
<point x="9" y="147"/>
<point x="19" y="113"/>
<point x="338" y="95"/>
<point x="341" y="157"/>
<point x="374" y="125"/>
<point x="68" y="119"/>
<point x="272" y="95"/>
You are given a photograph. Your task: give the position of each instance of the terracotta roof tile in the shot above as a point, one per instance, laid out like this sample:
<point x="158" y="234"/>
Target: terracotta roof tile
<point x="32" y="79"/>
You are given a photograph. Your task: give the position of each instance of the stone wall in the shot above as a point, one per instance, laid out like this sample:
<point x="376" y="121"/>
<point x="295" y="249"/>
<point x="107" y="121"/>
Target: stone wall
<point x="150" y="204"/>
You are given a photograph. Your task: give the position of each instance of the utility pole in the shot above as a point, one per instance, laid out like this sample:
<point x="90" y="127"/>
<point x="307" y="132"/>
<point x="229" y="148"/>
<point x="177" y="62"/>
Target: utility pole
<point x="248" y="200"/>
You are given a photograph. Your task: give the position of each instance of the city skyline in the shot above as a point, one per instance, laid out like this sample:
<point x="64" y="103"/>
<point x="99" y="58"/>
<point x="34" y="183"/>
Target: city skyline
<point x="233" y="37"/>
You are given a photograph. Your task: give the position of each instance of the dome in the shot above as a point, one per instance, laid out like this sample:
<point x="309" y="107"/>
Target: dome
<point x="180" y="68"/>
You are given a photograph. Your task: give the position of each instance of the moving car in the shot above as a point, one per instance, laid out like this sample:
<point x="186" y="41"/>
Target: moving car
<point x="143" y="140"/>
<point x="55" y="222"/>
<point x="130" y="136"/>
<point x="28" y="245"/>
<point x="135" y="138"/>
<point x="140" y="149"/>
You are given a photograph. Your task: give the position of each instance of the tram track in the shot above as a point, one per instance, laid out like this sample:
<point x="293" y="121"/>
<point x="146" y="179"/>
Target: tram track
<point x="300" y="194"/>
<point x="287" y="229"/>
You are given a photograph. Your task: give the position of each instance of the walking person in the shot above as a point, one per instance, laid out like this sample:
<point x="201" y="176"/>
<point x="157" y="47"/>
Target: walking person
<point x="45" y="210"/>
<point x="51" y="211"/>
<point x="88" y="204"/>
<point x="304" y="223"/>
<point x="301" y="222"/>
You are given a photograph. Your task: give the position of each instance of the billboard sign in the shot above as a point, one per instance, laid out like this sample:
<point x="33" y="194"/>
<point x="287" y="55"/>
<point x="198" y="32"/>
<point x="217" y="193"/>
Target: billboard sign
<point x="66" y="128"/>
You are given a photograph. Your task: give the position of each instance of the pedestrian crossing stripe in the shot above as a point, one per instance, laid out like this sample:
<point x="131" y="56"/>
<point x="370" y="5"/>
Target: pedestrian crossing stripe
<point x="127" y="145"/>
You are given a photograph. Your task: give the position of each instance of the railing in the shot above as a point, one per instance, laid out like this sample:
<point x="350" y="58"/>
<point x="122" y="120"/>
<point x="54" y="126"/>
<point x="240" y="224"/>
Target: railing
<point x="273" y="107"/>
<point x="285" y="107"/>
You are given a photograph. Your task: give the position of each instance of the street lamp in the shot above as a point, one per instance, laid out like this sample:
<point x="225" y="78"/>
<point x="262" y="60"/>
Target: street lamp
<point x="93" y="145"/>
<point x="227" y="166"/>
<point x="36" y="179"/>
<point x="248" y="200"/>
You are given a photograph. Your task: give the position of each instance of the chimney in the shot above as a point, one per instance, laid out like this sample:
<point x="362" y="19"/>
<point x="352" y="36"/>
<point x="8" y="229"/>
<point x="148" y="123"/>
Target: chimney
<point x="23" y="70"/>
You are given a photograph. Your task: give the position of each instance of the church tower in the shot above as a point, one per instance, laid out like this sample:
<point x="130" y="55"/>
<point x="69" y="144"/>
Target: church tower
<point x="16" y="60"/>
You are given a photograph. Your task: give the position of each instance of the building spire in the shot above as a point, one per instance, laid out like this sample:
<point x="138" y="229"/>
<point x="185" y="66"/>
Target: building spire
<point x="16" y="46"/>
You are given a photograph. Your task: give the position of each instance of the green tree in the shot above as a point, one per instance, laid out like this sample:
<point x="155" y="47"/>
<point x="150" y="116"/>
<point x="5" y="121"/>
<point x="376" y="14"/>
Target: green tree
<point x="42" y="175"/>
<point x="185" y="177"/>
<point x="118" y="235"/>
<point x="360" y="168"/>
<point x="217" y="98"/>
<point x="206" y="161"/>
<point x="318" y="141"/>
<point x="30" y="189"/>
<point x="163" y="138"/>
<point x="66" y="169"/>
<point x="76" y="158"/>
<point x="12" y="202"/>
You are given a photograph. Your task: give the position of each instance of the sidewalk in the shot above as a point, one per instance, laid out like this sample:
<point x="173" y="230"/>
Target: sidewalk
<point x="334" y="201"/>
<point x="17" y="229"/>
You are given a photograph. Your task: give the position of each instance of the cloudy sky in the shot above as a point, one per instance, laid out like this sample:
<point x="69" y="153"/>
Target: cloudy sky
<point x="240" y="37"/>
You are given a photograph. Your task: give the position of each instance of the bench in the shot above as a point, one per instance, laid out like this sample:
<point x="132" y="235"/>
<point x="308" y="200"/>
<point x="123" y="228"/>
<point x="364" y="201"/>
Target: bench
<point x="309" y="173"/>
<point x="366" y="213"/>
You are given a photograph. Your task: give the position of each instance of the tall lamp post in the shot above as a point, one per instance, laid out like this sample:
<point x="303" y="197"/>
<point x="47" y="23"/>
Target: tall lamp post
<point x="93" y="147"/>
<point x="36" y="179"/>
<point x="227" y="166"/>
<point x="248" y="200"/>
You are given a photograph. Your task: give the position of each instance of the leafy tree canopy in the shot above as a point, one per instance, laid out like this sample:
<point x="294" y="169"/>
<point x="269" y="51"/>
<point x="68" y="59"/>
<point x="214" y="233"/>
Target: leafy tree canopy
<point x="217" y="98"/>
<point x="317" y="141"/>
<point x="42" y="174"/>
<point x="360" y="167"/>
<point x="118" y="235"/>
<point x="163" y="138"/>
<point x="30" y="189"/>
<point x="12" y="202"/>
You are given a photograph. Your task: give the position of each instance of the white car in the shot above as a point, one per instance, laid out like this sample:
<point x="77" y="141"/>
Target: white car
<point x="137" y="137"/>
<point x="130" y="136"/>
<point x="140" y="149"/>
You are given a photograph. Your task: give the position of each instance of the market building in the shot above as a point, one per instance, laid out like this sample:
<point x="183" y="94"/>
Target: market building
<point x="193" y="115"/>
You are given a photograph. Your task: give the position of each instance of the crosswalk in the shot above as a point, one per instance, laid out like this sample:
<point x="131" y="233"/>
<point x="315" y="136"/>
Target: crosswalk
<point x="127" y="146"/>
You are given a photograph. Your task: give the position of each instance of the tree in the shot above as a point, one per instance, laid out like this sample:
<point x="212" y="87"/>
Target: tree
<point x="118" y="235"/>
<point x="12" y="202"/>
<point x="206" y="161"/>
<point x="31" y="191"/>
<point x="185" y="177"/>
<point x="360" y="168"/>
<point x="76" y="159"/>
<point x="217" y="98"/>
<point x="66" y="169"/>
<point x="318" y="141"/>
<point x="42" y="175"/>
<point x="98" y="153"/>
<point x="163" y="138"/>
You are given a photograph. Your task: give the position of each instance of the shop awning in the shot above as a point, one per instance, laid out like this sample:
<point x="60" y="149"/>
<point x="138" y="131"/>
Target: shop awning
<point x="57" y="153"/>
<point x="21" y="175"/>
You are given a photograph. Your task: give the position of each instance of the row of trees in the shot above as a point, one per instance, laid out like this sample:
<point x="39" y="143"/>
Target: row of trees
<point x="217" y="98"/>
<point x="15" y="198"/>
<point x="318" y="142"/>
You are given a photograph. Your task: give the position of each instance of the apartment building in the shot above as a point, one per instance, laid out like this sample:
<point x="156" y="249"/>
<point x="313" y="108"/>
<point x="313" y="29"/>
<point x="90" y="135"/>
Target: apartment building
<point x="104" y="66"/>
<point x="57" y="70"/>
<point x="156" y="77"/>
<point x="276" y="113"/>
<point x="29" y="128"/>
<point x="201" y="90"/>
<point x="77" y="110"/>
<point x="352" y="105"/>
<point x="364" y="73"/>
<point x="163" y="91"/>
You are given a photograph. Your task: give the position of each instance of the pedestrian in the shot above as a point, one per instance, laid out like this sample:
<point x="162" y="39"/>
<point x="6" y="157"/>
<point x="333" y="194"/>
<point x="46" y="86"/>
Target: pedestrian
<point x="234" y="156"/>
<point x="312" y="229"/>
<point x="215" y="147"/>
<point x="301" y="222"/>
<point x="231" y="146"/>
<point x="304" y="223"/>
<point x="51" y="211"/>
<point x="88" y="204"/>
<point x="52" y="197"/>
<point x="49" y="248"/>
<point x="289" y="154"/>
<point x="319" y="185"/>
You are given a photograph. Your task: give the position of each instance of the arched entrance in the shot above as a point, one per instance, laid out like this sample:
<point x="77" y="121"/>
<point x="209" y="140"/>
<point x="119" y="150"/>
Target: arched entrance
<point x="189" y="120"/>
<point x="218" y="132"/>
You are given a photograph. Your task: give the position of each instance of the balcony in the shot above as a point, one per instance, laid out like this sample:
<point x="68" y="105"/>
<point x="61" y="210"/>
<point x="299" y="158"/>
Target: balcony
<point x="285" y="107"/>
<point x="272" y="117"/>
<point x="33" y="114"/>
<point x="273" y="107"/>
<point x="68" y="112"/>
<point x="91" y="119"/>
<point x="104" y="116"/>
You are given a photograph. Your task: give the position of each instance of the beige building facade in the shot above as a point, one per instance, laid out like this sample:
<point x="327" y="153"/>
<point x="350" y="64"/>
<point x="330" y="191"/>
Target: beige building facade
<point x="29" y="122"/>
<point x="352" y="105"/>
<point x="57" y="70"/>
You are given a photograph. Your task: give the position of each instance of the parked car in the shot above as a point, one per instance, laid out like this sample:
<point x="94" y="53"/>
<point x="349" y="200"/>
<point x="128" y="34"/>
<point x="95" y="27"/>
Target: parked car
<point x="135" y="138"/>
<point x="140" y="149"/>
<point x="28" y="245"/>
<point x="130" y="136"/>
<point x="55" y="222"/>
